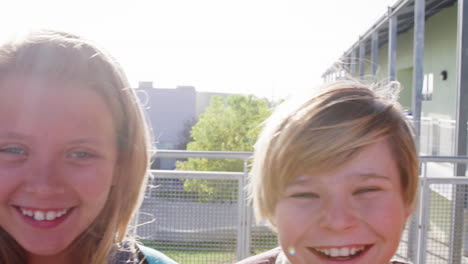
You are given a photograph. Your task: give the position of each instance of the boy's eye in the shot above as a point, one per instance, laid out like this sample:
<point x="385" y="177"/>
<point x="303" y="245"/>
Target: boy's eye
<point x="305" y="195"/>
<point x="367" y="190"/>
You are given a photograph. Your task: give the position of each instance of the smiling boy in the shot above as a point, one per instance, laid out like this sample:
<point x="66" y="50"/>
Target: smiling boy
<point x="336" y="177"/>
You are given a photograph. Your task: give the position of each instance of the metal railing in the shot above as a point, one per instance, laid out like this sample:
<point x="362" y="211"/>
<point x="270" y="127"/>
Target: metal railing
<point x="198" y="225"/>
<point x="441" y="212"/>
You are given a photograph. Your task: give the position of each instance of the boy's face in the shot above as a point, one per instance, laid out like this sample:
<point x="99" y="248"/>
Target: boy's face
<point x="57" y="158"/>
<point x="351" y="214"/>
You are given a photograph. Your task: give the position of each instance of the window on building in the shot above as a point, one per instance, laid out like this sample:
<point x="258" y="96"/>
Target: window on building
<point x="428" y="87"/>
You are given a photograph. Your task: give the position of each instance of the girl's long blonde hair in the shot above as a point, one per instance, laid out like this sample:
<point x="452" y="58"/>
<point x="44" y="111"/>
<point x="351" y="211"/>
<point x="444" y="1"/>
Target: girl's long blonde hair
<point x="48" y="55"/>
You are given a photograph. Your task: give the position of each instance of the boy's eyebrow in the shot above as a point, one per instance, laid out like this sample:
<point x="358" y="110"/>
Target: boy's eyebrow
<point x="360" y="175"/>
<point x="366" y="176"/>
<point x="299" y="180"/>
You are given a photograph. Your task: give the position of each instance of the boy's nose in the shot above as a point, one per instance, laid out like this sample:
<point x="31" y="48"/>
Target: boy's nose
<point x="338" y="214"/>
<point x="43" y="178"/>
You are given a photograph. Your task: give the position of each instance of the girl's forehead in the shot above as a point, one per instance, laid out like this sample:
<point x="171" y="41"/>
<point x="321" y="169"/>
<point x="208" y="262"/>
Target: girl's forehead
<point x="26" y="96"/>
<point x="32" y="89"/>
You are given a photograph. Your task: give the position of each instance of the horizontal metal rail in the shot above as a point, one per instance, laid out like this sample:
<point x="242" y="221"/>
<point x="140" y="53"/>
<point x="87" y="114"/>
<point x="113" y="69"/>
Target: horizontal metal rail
<point x="445" y="180"/>
<point x="446" y="159"/>
<point x="205" y="175"/>
<point x="247" y="155"/>
<point x="242" y="222"/>
<point x="202" y="154"/>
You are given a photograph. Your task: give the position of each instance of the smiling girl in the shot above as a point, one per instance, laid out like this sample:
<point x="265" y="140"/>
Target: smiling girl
<point x="336" y="177"/>
<point x="73" y="154"/>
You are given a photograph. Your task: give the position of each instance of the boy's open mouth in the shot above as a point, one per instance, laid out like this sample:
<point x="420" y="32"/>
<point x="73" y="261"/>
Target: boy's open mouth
<point x="340" y="253"/>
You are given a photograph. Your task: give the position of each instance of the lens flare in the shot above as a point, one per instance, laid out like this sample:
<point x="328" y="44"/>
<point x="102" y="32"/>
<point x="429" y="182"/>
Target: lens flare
<point x="291" y="251"/>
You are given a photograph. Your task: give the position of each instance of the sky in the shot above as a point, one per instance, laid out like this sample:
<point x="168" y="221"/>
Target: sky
<point x="269" y="48"/>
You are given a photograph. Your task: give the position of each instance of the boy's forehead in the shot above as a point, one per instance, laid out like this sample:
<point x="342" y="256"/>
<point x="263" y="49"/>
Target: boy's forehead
<point x="347" y="171"/>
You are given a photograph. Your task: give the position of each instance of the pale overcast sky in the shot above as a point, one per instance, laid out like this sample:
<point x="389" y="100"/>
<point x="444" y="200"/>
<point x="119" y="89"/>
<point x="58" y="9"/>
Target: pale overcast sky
<point x="271" y="48"/>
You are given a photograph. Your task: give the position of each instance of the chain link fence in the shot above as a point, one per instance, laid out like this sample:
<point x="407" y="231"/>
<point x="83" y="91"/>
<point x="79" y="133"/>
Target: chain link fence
<point x="203" y="217"/>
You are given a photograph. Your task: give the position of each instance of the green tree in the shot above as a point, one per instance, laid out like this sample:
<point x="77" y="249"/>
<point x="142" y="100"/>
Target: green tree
<point x="228" y="124"/>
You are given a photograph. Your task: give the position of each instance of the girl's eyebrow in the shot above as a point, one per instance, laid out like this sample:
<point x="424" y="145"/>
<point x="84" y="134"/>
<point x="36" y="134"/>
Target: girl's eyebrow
<point x="89" y="140"/>
<point x="13" y="135"/>
<point x="85" y="140"/>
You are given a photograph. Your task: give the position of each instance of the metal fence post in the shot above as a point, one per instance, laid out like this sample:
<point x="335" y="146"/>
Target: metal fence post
<point x="247" y="212"/>
<point x="423" y="221"/>
<point x="241" y="219"/>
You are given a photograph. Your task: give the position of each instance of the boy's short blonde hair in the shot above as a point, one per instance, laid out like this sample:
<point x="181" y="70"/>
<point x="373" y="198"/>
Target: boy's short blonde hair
<point x="325" y="132"/>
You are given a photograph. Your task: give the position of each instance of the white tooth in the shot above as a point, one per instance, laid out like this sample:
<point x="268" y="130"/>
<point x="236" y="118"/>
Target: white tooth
<point x="51" y="215"/>
<point x="39" y="216"/>
<point x="334" y="252"/>
<point x="29" y="213"/>
<point x="326" y="251"/>
<point x="353" y="251"/>
<point x="344" y="252"/>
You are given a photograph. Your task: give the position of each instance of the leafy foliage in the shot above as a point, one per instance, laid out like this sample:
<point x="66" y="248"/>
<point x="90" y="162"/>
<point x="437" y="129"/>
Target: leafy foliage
<point x="228" y="124"/>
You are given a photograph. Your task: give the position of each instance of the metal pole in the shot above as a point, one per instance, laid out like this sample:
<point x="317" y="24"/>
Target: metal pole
<point x="247" y="213"/>
<point x="353" y="62"/>
<point x="362" y="57"/>
<point x="240" y="253"/>
<point x="462" y="86"/>
<point x="458" y="232"/>
<point x="418" y="58"/>
<point x="424" y="210"/>
<point x="375" y="53"/>
<point x="392" y="44"/>
<point x="418" y="71"/>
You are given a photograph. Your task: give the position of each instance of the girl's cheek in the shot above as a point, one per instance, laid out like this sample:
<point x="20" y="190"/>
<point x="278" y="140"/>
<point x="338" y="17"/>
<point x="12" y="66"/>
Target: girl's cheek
<point x="10" y="180"/>
<point x="89" y="179"/>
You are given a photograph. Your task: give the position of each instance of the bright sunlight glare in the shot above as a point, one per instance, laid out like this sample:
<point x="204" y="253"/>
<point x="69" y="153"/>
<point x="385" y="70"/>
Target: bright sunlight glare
<point x="270" y="48"/>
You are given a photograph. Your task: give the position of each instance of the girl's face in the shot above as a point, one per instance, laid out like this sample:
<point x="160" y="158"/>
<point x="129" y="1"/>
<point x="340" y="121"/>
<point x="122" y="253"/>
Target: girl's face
<point x="57" y="158"/>
<point x="352" y="214"/>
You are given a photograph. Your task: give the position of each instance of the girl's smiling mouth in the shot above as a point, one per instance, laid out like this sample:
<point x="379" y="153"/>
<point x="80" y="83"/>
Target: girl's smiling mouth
<point x="44" y="218"/>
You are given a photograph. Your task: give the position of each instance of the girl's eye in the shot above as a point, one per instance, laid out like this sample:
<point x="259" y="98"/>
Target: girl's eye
<point x="13" y="150"/>
<point x="305" y="195"/>
<point x="81" y="155"/>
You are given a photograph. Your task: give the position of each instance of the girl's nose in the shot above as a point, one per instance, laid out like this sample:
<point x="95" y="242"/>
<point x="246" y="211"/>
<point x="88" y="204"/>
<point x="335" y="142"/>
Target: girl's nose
<point x="44" y="178"/>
